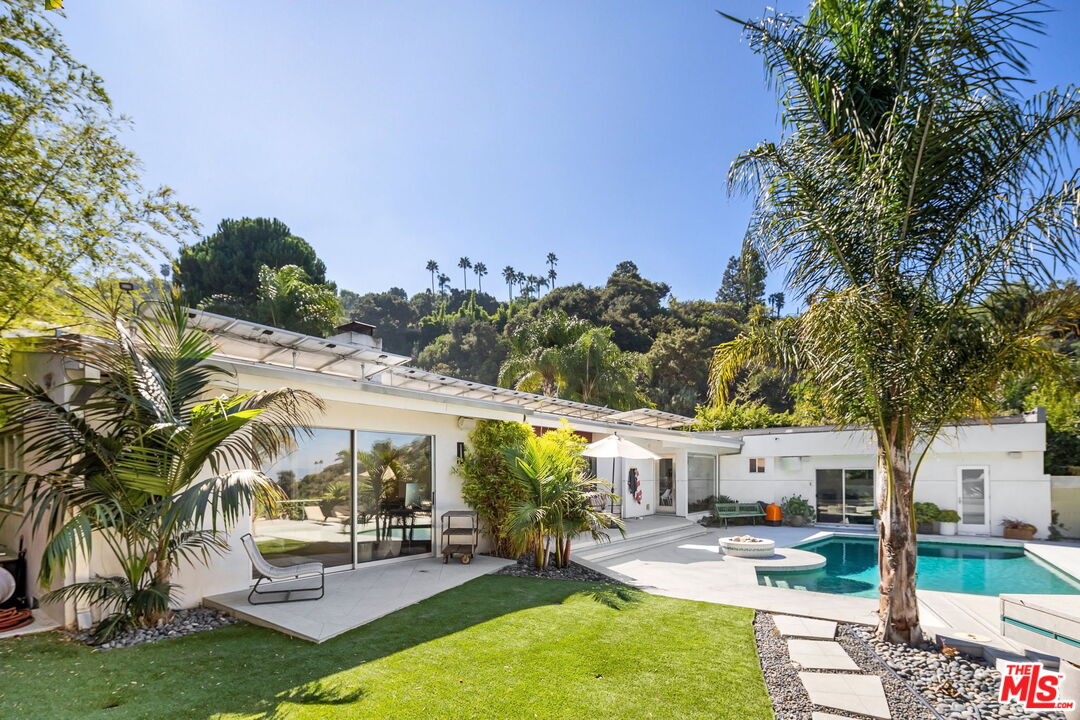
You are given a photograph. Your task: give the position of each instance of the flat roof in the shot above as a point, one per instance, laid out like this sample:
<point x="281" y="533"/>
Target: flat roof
<point x="255" y="344"/>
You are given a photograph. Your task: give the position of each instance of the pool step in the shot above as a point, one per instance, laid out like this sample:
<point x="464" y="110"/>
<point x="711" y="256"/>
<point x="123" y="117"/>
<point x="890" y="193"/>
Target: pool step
<point x="639" y="539"/>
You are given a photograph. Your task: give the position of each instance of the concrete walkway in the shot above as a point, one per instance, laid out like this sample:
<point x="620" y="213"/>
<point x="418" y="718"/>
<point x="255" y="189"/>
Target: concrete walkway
<point x="357" y="597"/>
<point x="812" y="646"/>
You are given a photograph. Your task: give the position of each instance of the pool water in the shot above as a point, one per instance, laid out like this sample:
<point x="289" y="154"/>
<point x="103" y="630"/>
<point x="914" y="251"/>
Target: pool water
<point x="851" y="569"/>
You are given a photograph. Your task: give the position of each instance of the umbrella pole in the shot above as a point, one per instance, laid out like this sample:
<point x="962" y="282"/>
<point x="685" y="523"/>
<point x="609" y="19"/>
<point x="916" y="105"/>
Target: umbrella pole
<point x="614" y="485"/>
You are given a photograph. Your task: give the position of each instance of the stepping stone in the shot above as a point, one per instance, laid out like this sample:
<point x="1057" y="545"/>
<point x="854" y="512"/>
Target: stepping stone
<point x="792" y="626"/>
<point x="820" y="655"/>
<point x="851" y="693"/>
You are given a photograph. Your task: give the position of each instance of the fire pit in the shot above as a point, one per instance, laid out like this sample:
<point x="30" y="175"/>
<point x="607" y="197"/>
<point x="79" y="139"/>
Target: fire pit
<point x="747" y="546"/>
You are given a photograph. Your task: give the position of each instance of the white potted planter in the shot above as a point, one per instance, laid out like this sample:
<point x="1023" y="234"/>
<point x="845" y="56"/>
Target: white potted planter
<point x="746" y="546"/>
<point x="947" y="522"/>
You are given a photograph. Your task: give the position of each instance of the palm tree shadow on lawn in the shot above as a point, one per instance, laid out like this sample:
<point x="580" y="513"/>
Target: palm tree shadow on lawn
<point x="319" y="692"/>
<point x="280" y="672"/>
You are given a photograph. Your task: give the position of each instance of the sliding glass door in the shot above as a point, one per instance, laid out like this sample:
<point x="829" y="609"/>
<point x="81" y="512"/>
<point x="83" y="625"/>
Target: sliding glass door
<point x="393" y="509"/>
<point x="352" y="497"/>
<point x="315" y="520"/>
<point x="845" y="496"/>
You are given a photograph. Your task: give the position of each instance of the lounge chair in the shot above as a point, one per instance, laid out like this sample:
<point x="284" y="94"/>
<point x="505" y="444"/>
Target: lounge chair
<point x="276" y="573"/>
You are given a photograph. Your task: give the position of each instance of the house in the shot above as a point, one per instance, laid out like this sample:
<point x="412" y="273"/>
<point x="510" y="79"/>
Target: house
<point x="373" y="478"/>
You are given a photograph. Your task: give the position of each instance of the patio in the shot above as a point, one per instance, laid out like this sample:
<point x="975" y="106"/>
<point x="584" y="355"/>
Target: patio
<point x="357" y="597"/>
<point x="693" y="569"/>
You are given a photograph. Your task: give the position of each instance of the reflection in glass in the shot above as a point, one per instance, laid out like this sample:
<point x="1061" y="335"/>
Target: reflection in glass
<point x="973" y="496"/>
<point x="393" y="495"/>
<point x="859" y="497"/>
<point x="313" y="523"/>
<point x="830" y="496"/>
<point x="700" y="482"/>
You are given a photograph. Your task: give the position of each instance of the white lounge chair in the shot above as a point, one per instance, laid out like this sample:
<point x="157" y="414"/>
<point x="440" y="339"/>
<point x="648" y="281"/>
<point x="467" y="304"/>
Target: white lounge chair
<point x="276" y="573"/>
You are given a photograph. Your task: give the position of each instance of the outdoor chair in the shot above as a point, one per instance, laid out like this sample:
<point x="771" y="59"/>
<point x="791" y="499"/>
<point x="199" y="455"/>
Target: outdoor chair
<point x="276" y="573"/>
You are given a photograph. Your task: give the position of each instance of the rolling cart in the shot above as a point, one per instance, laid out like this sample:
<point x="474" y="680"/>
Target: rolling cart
<point x="459" y="538"/>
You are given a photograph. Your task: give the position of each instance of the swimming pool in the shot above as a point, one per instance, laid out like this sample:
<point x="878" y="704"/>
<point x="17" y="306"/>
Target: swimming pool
<point x="851" y="569"/>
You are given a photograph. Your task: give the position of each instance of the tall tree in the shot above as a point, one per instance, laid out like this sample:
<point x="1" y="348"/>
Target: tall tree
<point x="432" y="267"/>
<point x="285" y="298"/>
<point x="552" y="261"/>
<point x="444" y="282"/>
<point x="509" y="274"/>
<point x="559" y="356"/>
<point x="228" y="262"/>
<point x="481" y="270"/>
<point x="464" y="263"/>
<point x="911" y="187"/>
<point x="743" y="282"/>
<point x="71" y="197"/>
<point x="777" y="302"/>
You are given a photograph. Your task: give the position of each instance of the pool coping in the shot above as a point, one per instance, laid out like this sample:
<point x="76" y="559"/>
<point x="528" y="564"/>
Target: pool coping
<point x="1039" y="550"/>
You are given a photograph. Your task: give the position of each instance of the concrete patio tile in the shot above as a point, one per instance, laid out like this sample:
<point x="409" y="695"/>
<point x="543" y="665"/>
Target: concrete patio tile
<point x="827" y="716"/>
<point x="793" y="626"/>
<point x="851" y="693"/>
<point x="820" y="655"/>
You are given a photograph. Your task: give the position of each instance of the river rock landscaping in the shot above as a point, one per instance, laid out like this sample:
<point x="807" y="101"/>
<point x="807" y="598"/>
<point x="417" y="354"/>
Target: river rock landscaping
<point x="790" y="699"/>
<point x="525" y="567"/>
<point x="183" y="622"/>
<point x="959" y="687"/>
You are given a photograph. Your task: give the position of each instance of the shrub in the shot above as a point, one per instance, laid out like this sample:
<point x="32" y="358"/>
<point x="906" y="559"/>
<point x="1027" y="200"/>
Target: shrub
<point x="949" y="516"/>
<point x="926" y="513"/>
<point x="488" y="486"/>
<point x="797" y="506"/>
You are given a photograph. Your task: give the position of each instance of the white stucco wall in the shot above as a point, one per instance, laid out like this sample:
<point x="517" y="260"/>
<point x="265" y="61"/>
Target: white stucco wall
<point x="1012" y="453"/>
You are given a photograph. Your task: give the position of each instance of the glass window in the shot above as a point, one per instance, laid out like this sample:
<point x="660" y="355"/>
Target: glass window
<point x="700" y="481"/>
<point x="393" y="495"/>
<point x="757" y="465"/>
<point x="830" y="496"/>
<point x="314" y="522"/>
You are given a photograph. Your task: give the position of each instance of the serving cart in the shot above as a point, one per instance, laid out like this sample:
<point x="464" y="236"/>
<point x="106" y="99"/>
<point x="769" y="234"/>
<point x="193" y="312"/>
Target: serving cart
<point x="460" y="535"/>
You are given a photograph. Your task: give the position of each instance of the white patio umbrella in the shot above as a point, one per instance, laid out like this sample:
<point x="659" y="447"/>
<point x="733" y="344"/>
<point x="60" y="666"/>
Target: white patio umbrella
<point x="614" y="447"/>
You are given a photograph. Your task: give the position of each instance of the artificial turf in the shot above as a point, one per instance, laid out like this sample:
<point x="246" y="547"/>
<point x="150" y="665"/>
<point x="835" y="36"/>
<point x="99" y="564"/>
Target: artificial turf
<point x="496" y="647"/>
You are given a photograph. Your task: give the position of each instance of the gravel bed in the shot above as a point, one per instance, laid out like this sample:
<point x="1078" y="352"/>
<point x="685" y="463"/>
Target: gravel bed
<point x="526" y="568"/>
<point x="789" y="697"/>
<point x="960" y="687"/>
<point x="183" y="622"/>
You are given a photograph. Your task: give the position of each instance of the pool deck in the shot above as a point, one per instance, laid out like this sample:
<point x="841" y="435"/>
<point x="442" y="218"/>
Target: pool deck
<point x="694" y="569"/>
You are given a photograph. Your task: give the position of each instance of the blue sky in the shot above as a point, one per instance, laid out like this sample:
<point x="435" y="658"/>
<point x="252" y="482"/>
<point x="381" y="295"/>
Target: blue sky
<point x="387" y="133"/>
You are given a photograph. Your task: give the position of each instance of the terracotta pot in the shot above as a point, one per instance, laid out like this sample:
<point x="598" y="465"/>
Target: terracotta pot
<point x="1019" y="533"/>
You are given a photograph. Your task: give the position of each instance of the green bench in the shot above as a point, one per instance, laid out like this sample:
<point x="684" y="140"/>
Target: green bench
<point x="726" y="511"/>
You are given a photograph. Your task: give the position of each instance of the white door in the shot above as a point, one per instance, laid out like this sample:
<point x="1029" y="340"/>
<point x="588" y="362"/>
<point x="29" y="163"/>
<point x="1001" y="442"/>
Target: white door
<point x="973" y="499"/>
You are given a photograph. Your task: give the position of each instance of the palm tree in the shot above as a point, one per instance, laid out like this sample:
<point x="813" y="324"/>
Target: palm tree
<point x="561" y="356"/>
<point x="552" y="261"/>
<point x="432" y="267"/>
<point x="777" y="301"/>
<point x="124" y="466"/>
<point x="910" y="189"/>
<point x="510" y="276"/>
<point x="551" y="274"/>
<point x="481" y="270"/>
<point x="520" y="281"/>
<point x="444" y="283"/>
<point x="541" y="281"/>
<point x="464" y="263"/>
<point x="532" y="283"/>
<point x="558" y="498"/>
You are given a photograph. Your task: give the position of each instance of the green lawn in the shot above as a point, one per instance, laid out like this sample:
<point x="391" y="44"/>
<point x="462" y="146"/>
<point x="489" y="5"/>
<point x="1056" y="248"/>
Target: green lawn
<point x="496" y="647"/>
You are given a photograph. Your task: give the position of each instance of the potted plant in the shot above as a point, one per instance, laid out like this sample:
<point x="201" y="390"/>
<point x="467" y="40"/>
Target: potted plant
<point x="1018" y="529"/>
<point x="947" y="520"/>
<point x="797" y="511"/>
<point x="926" y="515"/>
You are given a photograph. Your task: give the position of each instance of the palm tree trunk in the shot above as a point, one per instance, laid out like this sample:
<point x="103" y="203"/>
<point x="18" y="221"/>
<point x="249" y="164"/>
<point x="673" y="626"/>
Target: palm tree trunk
<point x="898" y="611"/>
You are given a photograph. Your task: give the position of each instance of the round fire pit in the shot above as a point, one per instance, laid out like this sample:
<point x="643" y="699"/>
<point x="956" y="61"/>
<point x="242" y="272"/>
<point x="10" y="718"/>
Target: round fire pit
<point x="747" y="546"/>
